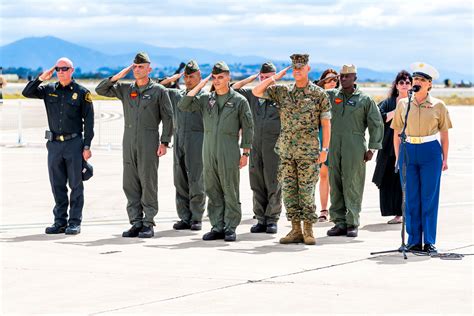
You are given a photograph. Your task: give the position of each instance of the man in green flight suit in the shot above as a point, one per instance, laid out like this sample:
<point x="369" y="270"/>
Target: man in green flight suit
<point x="225" y="113"/>
<point x="353" y="112"/>
<point x="264" y="160"/>
<point x="145" y="105"/>
<point x="303" y="106"/>
<point x="187" y="149"/>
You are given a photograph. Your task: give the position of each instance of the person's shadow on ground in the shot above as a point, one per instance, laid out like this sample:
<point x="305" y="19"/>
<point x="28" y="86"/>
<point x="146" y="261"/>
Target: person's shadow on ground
<point x="36" y="237"/>
<point x="381" y="227"/>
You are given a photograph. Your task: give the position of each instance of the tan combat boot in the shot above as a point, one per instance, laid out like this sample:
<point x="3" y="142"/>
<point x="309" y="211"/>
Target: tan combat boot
<point x="308" y="234"/>
<point x="295" y="235"/>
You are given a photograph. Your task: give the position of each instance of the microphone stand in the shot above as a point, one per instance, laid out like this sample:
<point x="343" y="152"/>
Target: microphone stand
<point x="403" y="137"/>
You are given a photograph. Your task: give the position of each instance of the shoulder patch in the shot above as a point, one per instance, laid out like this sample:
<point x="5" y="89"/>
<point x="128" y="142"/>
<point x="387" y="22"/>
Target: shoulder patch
<point x="88" y="97"/>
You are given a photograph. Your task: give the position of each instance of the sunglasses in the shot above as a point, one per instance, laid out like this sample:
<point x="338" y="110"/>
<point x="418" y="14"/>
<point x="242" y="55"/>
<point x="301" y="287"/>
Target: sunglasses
<point x="64" y="69"/>
<point x="403" y="82"/>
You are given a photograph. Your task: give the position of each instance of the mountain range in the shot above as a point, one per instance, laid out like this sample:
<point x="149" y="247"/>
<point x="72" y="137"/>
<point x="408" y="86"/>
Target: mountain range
<point x="41" y="52"/>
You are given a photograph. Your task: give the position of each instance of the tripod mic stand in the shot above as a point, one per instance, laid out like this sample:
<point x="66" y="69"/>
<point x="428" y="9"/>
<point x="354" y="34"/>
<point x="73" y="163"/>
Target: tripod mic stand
<point x="403" y="137"/>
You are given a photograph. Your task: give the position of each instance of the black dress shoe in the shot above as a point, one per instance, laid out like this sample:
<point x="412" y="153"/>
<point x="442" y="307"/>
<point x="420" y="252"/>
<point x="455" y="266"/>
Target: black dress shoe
<point x="55" y="229"/>
<point x="258" y="228"/>
<point x="133" y="231"/>
<point x="430" y="249"/>
<point x="352" y="231"/>
<point x="230" y="236"/>
<point x="146" y="232"/>
<point x="337" y="231"/>
<point x="414" y="247"/>
<point x="213" y="235"/>
<point x="272" y="228"/>
<point x="181" y="225"/>
<point x="196" y="225"/>
<point x="73" y="230"/>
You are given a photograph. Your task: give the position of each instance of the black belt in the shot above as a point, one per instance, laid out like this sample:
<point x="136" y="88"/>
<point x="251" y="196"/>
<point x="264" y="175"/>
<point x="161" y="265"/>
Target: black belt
<point x="64" y="137"/>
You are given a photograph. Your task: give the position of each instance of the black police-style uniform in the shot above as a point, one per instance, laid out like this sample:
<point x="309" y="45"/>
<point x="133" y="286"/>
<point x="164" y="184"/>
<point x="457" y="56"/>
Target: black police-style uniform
<point x="70" y="111"/>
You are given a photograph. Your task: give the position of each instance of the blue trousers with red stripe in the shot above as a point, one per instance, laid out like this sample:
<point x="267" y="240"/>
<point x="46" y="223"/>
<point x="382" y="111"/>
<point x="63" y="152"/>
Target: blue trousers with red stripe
<point x="423" y="177"/>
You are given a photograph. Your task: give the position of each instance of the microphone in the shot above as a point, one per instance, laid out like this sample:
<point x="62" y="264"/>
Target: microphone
<point x="415" y="88"/>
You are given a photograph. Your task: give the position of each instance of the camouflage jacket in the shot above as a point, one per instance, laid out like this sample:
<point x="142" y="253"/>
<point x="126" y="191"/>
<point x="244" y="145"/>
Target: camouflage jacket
<point x="301" y="110"/>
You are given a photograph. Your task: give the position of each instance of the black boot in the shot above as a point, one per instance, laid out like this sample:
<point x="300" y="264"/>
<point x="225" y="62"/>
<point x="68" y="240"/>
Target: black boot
<point x="352" y="231"/>
<point x="272" y="228"/>
<point x="196" y="225"/>
<point x="213" y="235"/>
<point x="73" y="229"/>
<point x="337" y="231"/>
<point x="230" y="236"/>
<point x="181" y="225"/>
<point x="133" y="231"/>
<point x="146" y="232"/>
<point x="258" y="228"/>
<point x="430" y="249"/>
<point x="55" y="229"/>
<point x="415" y="247"/>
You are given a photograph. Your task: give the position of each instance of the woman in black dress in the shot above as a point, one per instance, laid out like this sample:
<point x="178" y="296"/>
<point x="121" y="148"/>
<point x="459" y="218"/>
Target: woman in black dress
<point x="385" y="177"/>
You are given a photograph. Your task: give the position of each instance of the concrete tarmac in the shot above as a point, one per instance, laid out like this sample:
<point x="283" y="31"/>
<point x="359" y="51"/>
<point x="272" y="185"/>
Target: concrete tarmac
<point x="99" y="272"/>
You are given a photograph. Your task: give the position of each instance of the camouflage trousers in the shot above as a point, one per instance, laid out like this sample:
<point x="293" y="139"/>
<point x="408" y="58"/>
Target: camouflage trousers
<point x="298" y="178"/>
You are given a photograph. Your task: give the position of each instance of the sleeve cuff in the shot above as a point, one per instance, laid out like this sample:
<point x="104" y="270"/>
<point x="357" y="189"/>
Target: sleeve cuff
<point x="325" y="115"/>
<point x="246" y="146"/>
<point x="375" y="146"/>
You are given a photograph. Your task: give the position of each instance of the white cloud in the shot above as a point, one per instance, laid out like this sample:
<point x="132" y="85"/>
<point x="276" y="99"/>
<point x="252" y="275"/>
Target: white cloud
<point x="333" y="30"/>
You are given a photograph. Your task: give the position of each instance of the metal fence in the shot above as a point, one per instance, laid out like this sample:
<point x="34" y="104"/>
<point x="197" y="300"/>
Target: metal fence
<point x="23" y="122"/>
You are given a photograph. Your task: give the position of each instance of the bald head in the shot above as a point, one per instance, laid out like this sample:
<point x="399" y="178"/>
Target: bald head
<point x="64" y="61"/>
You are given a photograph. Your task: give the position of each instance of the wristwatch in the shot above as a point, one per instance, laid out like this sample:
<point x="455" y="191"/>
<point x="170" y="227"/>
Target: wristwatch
<point x="245" y="154"/>
<point x="325" y="149"/>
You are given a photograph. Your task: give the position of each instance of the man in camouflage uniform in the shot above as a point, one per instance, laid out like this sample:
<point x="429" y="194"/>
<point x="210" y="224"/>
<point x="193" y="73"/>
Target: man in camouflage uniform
<point x="303" y="106"/>
<point x="264" y="160"/>
<point x="225" y="113"/>
<point x="353" y="112"/>
<point x="187" y="149"/>
<point x="145" y="105"/>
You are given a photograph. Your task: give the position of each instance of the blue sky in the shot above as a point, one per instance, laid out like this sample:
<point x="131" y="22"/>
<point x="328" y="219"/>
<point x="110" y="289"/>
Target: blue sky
<point x="382" y="35"/>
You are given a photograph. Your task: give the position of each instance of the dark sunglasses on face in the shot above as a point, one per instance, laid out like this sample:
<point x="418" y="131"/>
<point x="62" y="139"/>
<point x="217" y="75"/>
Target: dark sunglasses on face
<point x="58" y="69"/>
<point x="402" y="82"/>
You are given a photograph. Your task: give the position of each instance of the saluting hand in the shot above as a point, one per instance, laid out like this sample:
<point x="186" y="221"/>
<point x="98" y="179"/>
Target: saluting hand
<point x="175" y="77"/>
<point x="122" y="73"/>
<point x="47" y="74"/>
<point x="281" y="73"/>
<point x="171" y="79"/>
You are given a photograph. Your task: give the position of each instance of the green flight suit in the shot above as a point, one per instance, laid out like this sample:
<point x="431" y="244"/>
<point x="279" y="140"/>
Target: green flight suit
<point x="263" y="167"/>
<point x="187" y="154"/>
<point x="143" y="111"/>
<point x="223" y="118"/>
<point x="351" y="116"/>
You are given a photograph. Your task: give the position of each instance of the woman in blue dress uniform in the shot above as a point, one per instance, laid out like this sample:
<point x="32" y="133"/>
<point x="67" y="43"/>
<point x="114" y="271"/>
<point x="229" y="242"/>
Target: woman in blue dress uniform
<point x="427" y="157"/>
